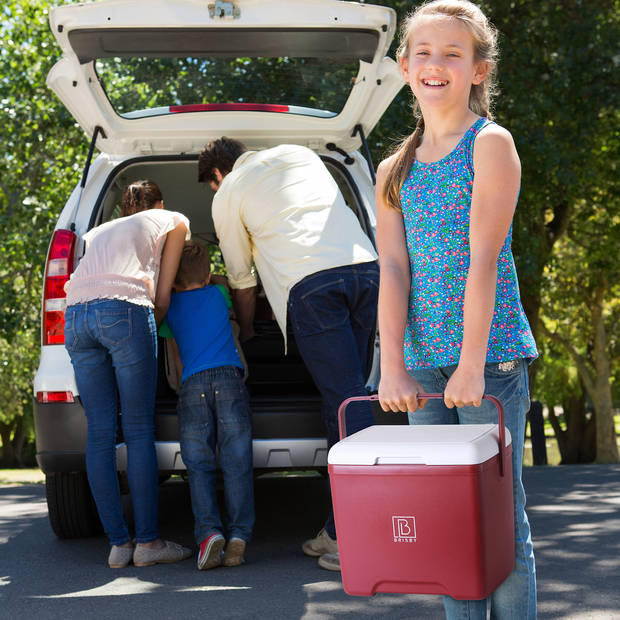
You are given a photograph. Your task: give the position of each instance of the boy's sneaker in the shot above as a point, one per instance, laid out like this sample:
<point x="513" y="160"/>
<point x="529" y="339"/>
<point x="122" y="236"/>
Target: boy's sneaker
<point x="330" y="561"/>
<point x="321" y="544"/>
<point x="210" y="554"/>
<point x="233" y="556"/>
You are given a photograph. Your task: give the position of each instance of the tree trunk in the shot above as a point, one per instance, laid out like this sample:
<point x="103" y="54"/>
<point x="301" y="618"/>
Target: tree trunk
<point x="18" y="441"/>
<point x="531" y="305"/>
<point x="581" y="437"/>
<point x="594" y="372"/>
<point x="606" y="446"/>
<point x="560" y="434"/>
<point x="576" y="443"/>
<point x="8" y="454"/>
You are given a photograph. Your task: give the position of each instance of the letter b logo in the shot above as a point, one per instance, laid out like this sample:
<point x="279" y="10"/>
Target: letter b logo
<point x="403" y="529"/>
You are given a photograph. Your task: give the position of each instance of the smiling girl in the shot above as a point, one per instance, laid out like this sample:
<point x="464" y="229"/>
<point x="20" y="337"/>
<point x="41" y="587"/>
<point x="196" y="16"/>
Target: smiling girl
<point x="450" y="315"/>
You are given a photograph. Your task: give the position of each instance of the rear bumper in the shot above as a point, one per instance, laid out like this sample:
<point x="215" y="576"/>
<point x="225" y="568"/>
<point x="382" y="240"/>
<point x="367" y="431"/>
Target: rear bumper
<point x="283" y="438"/>
<point x="60" y="434"/>
<point x="266" y="453"/>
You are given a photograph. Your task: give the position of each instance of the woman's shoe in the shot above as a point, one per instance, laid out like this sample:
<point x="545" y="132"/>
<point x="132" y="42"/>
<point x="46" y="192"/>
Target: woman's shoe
<point x="170" y="552"/>
<point x="120" y="556"/>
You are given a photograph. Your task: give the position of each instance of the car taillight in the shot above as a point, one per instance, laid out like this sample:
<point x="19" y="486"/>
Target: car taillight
<point x="55" y="397"/>
<point x="57" y="271"/>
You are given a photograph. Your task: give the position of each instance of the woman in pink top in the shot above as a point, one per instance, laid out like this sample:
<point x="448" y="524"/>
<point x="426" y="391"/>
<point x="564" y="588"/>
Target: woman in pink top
<point x="118" y="291"/>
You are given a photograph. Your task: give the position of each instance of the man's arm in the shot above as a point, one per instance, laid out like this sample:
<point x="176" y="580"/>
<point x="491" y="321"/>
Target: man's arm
<point x="236" y="246"/>
<point x="244" y="303"/>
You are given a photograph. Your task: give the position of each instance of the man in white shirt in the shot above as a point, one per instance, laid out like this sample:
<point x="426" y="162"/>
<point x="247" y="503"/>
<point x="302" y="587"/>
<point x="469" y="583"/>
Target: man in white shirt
<point x="281" y="211"/>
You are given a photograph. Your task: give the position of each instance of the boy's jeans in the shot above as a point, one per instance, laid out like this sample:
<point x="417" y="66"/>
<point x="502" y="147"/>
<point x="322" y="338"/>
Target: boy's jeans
<point x="113" y="344"/>
<point x="515" y="598"/>
<point x="214" y="409"/>
<point x="333" y="315"/>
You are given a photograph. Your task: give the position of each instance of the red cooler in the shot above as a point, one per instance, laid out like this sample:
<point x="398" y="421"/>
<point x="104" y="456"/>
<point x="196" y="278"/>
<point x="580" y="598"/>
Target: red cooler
<point x="424" y="509"/>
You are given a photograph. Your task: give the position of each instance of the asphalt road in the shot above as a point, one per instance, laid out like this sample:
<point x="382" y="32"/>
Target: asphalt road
<point x="575" y="515"/>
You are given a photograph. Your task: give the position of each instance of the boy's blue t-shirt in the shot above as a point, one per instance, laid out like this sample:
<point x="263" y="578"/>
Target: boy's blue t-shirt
<point x="200" y="325"/>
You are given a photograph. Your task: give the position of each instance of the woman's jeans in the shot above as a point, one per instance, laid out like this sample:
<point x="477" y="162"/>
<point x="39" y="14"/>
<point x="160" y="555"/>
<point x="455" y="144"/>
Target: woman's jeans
<point x="333" y="315"/>
<point x="515" y="598"/>
<point x="113" y="346"/>
<point x="214" y="410"/>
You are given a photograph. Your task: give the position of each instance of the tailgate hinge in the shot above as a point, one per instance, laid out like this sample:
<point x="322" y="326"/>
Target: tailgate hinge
<point x="224" y="9"/>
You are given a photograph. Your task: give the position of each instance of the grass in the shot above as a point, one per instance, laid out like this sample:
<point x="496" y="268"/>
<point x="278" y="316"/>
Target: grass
<point x="21" y="476"/>
<point x="553" y="452"/>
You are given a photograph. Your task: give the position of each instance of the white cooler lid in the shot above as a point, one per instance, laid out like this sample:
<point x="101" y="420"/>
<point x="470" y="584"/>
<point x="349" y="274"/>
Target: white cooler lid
<point x="438" y="444"/>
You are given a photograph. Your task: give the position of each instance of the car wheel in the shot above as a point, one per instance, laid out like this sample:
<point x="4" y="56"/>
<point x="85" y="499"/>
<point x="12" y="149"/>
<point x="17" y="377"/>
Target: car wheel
<point x="70" y="505"/>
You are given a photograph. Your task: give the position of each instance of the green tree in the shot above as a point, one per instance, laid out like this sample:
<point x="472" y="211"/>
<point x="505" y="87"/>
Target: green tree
<point x="559" y="384"/>
<point x="41" y="157"/>
<point x="557" y="68"/>
<point x="559" y="98"/>
<point x="557" y="81"/>
<point x="581" y="308"/>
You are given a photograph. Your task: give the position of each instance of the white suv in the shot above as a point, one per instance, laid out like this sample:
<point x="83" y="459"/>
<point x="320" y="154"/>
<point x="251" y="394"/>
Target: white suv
<point x="150" y="84"/>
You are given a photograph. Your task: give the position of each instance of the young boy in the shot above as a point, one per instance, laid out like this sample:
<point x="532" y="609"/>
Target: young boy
<point x="213" y="408"/>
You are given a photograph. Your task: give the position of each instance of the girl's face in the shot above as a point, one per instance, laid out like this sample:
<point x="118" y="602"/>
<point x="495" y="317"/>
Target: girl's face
<point x="440" y="66"/>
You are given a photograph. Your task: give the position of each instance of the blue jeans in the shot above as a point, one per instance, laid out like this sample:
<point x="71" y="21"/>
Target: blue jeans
<point x="214" y="408"/>
<point x="113" y="346"/>
<point x="515" y="598"/>
<point x="333" y="315"/>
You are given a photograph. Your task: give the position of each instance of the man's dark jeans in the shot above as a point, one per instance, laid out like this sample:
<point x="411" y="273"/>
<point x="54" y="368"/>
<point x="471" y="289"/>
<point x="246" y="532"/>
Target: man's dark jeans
<point x="333" y="315"/>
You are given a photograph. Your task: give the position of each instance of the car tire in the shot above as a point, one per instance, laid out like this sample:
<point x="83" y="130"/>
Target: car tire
<point x="70" y="505"/>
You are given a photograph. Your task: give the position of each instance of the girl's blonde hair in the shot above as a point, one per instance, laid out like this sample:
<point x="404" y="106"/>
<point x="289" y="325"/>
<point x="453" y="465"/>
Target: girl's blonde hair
<point x="484" y="36"/>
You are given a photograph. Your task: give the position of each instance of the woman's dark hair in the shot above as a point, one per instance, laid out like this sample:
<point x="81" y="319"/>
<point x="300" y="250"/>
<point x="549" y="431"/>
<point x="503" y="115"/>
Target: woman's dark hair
<point x="194" y="266"/>
<point x="221" y="154"/>
<point x="140" y="196"/>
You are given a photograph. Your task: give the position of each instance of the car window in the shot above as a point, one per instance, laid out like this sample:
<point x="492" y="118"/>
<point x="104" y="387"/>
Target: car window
<point x="139" y="87"/>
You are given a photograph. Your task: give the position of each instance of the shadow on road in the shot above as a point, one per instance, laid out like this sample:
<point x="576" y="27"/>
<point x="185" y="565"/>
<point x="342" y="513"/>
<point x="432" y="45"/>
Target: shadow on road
<point x="48" y="578"/>
<point x="574" y="511"/>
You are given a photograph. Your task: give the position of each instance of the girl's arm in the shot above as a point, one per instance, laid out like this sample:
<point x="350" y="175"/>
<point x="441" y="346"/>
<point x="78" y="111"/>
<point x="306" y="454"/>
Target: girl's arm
<point x="169" y="265"/>
<point x="397" y="389"/>
<point x="497" y="176"/>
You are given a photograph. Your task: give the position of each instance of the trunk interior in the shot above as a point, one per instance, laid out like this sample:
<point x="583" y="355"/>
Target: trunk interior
<point x="285" y="402"/>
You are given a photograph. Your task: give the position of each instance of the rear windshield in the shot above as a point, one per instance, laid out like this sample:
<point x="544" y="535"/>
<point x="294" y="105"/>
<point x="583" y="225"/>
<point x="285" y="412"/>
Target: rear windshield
<point x="147" y="72"/>
<point x="138" y="87"/>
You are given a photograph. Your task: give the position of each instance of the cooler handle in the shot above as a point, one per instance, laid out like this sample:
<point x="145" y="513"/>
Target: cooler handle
<point x="495" y="401"/>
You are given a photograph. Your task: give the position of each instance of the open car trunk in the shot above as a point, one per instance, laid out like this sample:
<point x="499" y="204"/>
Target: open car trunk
<point x="284" y="400"/>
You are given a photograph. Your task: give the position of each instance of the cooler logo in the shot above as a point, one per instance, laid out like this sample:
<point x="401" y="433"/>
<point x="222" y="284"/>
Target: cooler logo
<point x="404" y="529"/>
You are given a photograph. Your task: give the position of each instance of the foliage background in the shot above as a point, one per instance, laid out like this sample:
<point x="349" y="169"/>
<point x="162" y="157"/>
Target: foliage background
<point x="559" y="97"/>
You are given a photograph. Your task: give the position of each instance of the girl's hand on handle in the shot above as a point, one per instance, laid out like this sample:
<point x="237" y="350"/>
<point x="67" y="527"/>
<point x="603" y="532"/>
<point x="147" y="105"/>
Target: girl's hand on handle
<point x="465" y="388"/>
<point x="400" y="393"/>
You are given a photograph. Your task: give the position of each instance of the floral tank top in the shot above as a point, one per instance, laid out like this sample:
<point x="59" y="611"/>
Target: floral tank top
<point x="436" y="201"/>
